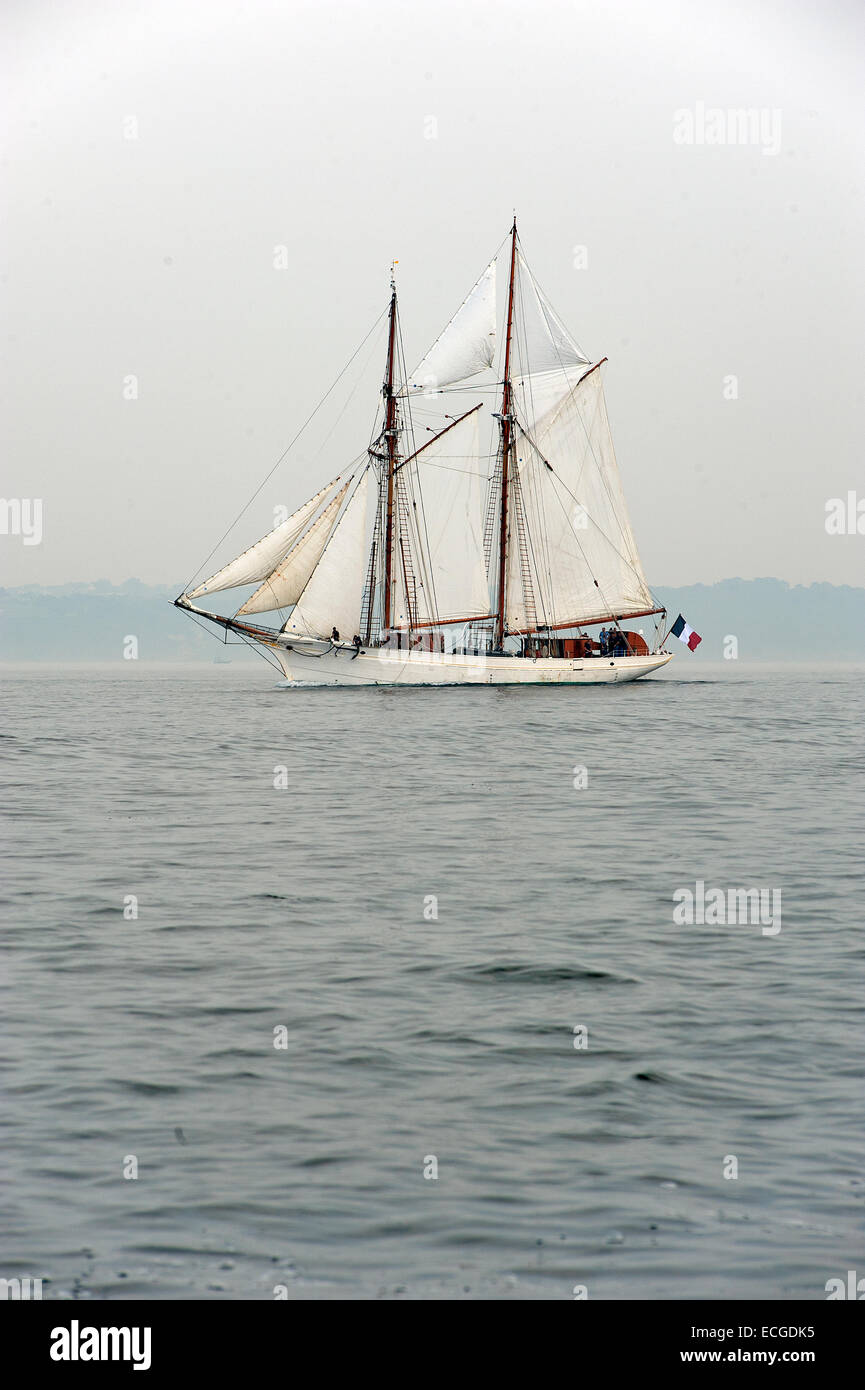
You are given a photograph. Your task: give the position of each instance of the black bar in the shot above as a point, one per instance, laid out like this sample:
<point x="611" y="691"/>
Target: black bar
<point x="227" y="1338"/>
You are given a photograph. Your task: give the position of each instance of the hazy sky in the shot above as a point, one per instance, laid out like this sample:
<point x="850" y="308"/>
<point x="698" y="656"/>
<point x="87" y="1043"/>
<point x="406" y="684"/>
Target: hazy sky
<point x="154" y="154"/>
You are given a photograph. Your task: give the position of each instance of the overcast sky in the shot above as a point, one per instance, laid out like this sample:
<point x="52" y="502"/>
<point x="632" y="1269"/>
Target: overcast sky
<point x="155" y="154"/>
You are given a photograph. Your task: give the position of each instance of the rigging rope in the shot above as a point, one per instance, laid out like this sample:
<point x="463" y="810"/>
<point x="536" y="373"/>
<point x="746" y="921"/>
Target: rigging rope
<point x="223" y="642"/>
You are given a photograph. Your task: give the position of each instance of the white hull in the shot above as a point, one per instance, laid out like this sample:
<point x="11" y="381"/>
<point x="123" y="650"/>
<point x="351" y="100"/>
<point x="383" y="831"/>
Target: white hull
<point x="322" y="663"/>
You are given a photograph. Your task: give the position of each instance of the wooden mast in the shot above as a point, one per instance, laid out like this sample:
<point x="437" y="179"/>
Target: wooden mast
<point x="390" y="438"/>
<point x="506" y="449"/>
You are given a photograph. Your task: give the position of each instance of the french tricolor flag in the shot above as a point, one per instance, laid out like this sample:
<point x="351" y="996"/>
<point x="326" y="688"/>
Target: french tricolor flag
<point x="685" y="633"/>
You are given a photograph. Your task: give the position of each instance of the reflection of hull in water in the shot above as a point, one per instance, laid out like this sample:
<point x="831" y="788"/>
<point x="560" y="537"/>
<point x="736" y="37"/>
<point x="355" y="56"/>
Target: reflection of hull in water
<point x="323" y="663"/>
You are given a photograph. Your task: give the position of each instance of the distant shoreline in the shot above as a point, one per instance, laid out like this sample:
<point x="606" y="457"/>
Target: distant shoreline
<point x="753" y="621"/>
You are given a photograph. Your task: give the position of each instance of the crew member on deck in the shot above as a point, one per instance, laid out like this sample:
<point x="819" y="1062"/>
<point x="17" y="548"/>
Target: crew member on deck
<point x="334" y="636"/>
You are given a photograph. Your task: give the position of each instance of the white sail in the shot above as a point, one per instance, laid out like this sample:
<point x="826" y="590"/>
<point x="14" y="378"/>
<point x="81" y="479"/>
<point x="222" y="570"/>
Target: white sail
<point x="468" y="344"/>
<point x="285" y="585"/>
<point x="333" y="596"/>
<point x="576" y="517"/>
<point x="259" y="560"/>
<point x="450" y="521"/>
<point x="541" y="341"/>
<point x="537" y="394"/>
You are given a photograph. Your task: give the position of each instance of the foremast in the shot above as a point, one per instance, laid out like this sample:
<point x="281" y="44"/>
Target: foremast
<point x="507" y="438"/>
<point x="390" y="435"/>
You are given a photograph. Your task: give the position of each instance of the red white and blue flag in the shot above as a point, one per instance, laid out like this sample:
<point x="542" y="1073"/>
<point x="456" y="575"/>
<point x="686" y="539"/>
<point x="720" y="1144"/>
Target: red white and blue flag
<point x="685" y="633"/>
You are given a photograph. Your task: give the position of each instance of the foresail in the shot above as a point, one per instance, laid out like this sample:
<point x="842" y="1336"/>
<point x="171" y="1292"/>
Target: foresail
<point x="583" y="563"/>
<point x="332" y="598"/>
<point x="467" y="345"/>
<point x="451" y="491"/>
<point x="285" y="585"/>
<point x="260" y="559"/>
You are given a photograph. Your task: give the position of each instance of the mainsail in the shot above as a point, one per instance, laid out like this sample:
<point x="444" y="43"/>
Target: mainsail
<point x="333" y="595"/>
<point x="468" y="343"/>
<point x="284" y="586"/>
<point x="582" y="562"/>
<point x="261" y="559"/>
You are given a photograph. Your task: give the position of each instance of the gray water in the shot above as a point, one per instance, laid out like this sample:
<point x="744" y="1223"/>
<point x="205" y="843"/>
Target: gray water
<point x="407" y="1036"/>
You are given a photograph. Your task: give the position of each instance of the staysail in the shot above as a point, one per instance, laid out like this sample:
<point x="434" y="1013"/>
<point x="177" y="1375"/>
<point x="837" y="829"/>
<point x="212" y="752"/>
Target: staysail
<point x="468" y="343"/>
<point x="260" y="559"/>
<point x="332" y="597"/>
<point x="284" y="586"/>
<point x="582" y="561"/>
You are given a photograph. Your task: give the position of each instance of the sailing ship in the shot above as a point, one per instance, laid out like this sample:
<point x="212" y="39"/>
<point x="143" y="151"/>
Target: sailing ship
<point x="497" y="551"/>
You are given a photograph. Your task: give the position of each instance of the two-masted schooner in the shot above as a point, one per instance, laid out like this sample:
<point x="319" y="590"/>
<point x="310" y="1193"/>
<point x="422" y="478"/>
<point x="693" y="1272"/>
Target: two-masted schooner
<point x="487" y="553"/>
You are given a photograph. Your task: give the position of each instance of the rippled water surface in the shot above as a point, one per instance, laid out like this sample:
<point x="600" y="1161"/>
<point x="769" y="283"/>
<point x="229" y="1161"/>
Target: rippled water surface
<point x="310" y="908"/>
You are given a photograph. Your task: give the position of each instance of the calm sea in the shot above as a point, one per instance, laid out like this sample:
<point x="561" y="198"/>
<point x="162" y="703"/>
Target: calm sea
<point x="368" y="925"/>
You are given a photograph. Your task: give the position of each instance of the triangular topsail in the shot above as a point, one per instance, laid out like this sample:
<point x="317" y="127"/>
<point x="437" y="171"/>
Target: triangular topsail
<point x="468" y="344"/>
<point x="260" y="559"/>
<point x="285" y="585"/>
<point x="573" y="508"/>
<point x="541" y="342"/>
<point x="334" y="594"/>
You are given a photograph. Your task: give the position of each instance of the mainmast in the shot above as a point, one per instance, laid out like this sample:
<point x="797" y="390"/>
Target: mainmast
<point x="390" y="434"/>
<point x="506" y="449"/>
